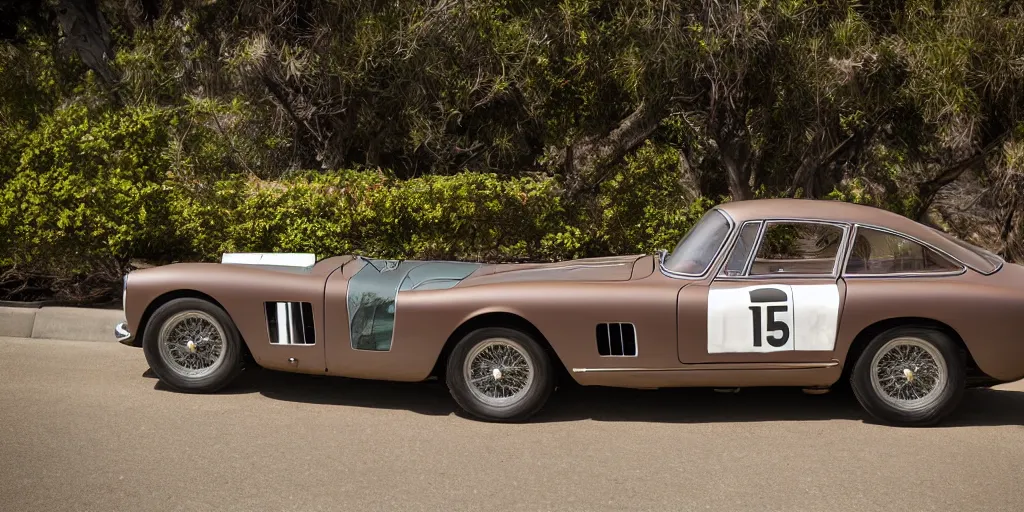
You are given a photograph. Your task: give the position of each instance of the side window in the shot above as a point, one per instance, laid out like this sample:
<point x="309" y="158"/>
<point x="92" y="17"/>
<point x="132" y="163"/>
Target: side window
<point x="879" y="252"/>
<point x="806" y="248"/>
<point x="741" y="250"/>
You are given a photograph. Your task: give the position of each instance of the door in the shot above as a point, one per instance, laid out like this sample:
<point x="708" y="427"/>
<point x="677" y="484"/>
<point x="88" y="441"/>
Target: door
<point x="777" y="298"/>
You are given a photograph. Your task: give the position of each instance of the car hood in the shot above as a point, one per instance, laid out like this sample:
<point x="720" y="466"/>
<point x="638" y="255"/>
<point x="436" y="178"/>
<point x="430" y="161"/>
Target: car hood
<point x="613" y="268"/>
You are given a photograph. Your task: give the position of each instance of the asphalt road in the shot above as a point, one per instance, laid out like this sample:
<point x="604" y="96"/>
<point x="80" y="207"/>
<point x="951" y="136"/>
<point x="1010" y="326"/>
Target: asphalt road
<point x="85" y="427"/>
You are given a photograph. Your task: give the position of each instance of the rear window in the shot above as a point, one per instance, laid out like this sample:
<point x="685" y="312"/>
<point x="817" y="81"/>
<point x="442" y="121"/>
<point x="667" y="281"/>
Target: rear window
<point x="879" y="252"/>
<point x="989" y="256"/>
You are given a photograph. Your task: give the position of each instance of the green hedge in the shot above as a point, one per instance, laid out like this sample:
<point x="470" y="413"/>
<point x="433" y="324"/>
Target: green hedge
<point x="86" y="193"/>
<point x="90" y="192"/>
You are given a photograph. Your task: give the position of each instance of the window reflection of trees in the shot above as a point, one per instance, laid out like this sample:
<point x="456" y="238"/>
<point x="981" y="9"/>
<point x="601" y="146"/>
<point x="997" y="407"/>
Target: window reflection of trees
<point x="798" y="248"/>
<point x="800" y="241"/>
<point x="373" y="322"/>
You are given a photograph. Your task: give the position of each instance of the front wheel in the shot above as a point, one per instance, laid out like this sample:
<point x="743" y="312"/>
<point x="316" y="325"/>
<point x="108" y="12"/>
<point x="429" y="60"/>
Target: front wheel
<point x="192" y="345"/>
<point x="910" y="376"/>
<point x="499" y="374"/>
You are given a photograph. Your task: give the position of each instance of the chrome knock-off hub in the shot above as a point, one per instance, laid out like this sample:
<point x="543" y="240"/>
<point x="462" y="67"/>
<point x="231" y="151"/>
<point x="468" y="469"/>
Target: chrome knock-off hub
<point x="499" y="372"/>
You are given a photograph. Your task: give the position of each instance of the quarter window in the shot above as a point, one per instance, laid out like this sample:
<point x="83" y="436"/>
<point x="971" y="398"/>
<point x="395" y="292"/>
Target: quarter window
<point x="879" y="252"/>
<point x="741" y="250"/>
<point x="805" y="248"/>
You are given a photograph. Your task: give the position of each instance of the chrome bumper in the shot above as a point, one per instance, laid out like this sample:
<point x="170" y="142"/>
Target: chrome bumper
<point x="122" y="334"/>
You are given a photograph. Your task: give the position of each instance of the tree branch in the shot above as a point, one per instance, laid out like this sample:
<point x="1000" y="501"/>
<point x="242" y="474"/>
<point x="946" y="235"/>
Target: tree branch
<point x="927" y="190"/>
<point x="735" y="152"/>
<point x="585" y="160"/>
<point x="301" y="126"/>
<point x="1007" y="229"/>
<point x="813" y="163"/>
<point x="688" y="177"/>
<point x="88" y="33"/>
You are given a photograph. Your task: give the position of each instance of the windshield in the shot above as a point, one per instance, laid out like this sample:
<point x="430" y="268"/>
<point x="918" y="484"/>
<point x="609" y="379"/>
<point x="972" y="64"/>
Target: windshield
<point x="697" y="250"/>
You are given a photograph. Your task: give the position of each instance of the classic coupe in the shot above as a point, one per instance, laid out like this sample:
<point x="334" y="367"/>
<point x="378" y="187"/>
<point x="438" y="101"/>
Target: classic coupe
<point x="771" y="292"/>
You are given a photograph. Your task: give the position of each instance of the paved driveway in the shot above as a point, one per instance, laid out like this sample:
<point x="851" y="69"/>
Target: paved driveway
<point x="86" y="428"/>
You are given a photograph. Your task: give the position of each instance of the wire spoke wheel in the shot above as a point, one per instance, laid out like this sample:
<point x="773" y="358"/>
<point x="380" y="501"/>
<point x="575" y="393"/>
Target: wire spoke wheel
<point x="499" y="372"/>
<point x="909" y="373"/>
<point x="192" y="344"/>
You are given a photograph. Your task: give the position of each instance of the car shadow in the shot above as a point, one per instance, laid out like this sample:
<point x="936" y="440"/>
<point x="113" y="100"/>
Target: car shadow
<point x="988" y="407"/>
<point x="428" y="398"/>
<point x="980" y="407"/>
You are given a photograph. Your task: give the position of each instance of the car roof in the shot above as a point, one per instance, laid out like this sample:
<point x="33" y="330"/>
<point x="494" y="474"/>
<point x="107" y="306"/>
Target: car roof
<point x="839" y="211"/>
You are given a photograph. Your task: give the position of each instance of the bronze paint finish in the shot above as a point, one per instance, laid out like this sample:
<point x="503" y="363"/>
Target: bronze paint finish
<point x="565" y="301"/>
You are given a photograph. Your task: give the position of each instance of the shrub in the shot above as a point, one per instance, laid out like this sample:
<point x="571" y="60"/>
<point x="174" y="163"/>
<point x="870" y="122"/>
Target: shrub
<point x="91" y="191"/>
<point x="643" y="207"/>
<point x="466" y="216"/>
<point x="86" y="195"/>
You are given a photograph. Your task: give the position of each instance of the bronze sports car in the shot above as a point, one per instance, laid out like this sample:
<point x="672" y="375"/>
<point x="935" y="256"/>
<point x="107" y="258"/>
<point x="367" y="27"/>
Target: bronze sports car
<point x="772" y="292"/>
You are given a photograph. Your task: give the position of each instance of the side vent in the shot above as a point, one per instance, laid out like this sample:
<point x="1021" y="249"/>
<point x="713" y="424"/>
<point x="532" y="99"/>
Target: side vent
<point x="290" y="323"/>
<point x="617" y="339"/>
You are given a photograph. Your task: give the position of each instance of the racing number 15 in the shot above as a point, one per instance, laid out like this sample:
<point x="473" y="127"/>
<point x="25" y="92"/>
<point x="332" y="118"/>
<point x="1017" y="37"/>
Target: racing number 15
<point x="773" y="325"/>
<point x="759" y="297"/>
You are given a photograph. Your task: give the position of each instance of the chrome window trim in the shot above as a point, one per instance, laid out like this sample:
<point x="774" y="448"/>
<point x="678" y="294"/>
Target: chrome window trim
<point x="830" y="277"/>
<point x="999" y="259"/>
<point x="939" y="251"/>
<point x="845" y="249"/>
<point x="907" y="275"/>
<point x="716" y="259"/>
<point x="997" y="269"/>
<point x="753" y="251"/>
<point x="735" y="240"/>
<point x="836" y="266"/>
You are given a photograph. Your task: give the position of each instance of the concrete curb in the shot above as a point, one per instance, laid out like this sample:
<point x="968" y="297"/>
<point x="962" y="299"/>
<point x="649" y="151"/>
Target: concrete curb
<point x="60" y="323"/>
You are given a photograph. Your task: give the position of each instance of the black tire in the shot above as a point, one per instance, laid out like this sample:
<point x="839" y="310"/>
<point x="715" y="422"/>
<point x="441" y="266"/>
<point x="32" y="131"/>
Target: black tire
<point x="227" y="370"/>
<point x="532" y="399"/>
<point x="920" y="415"/>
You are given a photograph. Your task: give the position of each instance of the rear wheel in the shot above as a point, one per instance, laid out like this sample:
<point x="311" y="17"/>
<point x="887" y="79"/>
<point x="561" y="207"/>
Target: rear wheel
<point x="192" y="345"/>
<point x="499" y="374"/>
<point x="911" y="376"/>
